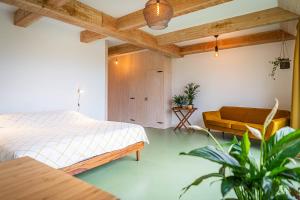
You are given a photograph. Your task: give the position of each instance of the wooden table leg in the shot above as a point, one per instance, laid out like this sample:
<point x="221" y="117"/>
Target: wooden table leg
<point x="179" y="125"/>
<point x="183" y="118"/>
<point x="186" y="117"/>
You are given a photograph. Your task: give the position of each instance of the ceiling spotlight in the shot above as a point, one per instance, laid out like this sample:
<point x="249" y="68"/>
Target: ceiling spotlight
<point x="216" y="47"/>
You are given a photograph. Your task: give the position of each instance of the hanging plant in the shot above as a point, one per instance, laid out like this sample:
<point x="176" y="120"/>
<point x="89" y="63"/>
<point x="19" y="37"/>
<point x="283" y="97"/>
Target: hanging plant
<point x="281" y="62"/>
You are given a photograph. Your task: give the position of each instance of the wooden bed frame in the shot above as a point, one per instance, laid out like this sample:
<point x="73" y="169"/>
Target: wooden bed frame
<point x="96" y="161"/>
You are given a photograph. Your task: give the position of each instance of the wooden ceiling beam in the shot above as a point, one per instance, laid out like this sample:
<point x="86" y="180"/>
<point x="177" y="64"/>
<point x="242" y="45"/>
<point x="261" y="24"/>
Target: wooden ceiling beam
<point x="290" y="5"/>
<point x="88" y="36"/>
<point x="123" y="49"/>
<point x="84" y="16"/>
<point x="24" y="18"/>
<point x="136" y="19"/>
<point x="247" y="40"/>
<point x="260" y="18"/>
<point x="241" y="41"/>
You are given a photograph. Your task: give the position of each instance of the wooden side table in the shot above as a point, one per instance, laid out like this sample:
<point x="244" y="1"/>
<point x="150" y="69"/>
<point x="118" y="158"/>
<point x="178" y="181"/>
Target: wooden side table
<point x="28" y="179"/>
<point x="183" y="114"/>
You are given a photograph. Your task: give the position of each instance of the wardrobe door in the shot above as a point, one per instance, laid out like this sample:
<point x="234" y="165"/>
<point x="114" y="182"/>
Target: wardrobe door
<point x="136" y="91"/>
<point x="118" y="89"/>
<point x="114" y="100"/>
<point x="154" y="99"/>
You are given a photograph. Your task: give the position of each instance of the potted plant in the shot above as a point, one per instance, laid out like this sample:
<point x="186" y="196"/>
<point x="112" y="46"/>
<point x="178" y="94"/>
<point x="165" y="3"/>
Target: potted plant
<point x="180" y="100"/>
<point x="191" y="91"/>
<point x="275" y="176"/>
<point x="279" y="62"/>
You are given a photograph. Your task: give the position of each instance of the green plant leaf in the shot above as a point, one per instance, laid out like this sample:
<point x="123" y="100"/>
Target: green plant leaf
<point x="285" y="142"/>
<point x="228" y="184"/>
<point x="287" y="147"/>
<point x="277" y="171"/>
<point x="215" y="155"/>
<point x="278" y="136"/>
<point x="267" y="185"/>
<point x="245" y="146"/>
<point x="222" y="170"/>
<point x="254" y="169"/>
<point x="200" y="180"/>
<point x="292" y="174"/>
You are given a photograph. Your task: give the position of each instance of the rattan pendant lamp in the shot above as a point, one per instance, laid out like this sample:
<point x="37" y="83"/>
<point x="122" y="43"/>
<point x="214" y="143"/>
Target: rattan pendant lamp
<point x="158" y="13"/>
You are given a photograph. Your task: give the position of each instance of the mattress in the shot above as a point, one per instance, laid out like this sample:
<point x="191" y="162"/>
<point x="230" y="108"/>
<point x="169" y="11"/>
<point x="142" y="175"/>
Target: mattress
<point x="60" y="139"/>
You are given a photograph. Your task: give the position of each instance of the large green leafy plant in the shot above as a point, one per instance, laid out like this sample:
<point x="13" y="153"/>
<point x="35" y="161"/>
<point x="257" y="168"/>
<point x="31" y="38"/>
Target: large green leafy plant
<point x="275" y="176"/>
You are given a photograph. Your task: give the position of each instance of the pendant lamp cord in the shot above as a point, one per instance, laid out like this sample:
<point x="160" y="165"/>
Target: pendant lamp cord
<point x="283" y="51"/>
<point x="216" y="47"/>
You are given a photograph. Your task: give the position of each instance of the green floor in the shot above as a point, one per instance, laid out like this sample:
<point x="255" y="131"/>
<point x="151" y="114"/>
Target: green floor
<point x="161" y="173"/>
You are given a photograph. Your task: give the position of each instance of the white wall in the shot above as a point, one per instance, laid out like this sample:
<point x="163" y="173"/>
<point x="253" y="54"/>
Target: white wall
<point x="42" y="66"/>
<point x="238" y="77"/>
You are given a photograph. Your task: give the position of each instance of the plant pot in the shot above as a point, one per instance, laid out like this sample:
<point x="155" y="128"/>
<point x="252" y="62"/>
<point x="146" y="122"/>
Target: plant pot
<point x="190" y="107"/>
<point x="285" y="63"/>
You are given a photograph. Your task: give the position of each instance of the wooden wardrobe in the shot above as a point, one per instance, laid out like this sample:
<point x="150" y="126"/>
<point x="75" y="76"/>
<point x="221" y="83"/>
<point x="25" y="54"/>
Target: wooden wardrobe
<point x="139" y="89"/>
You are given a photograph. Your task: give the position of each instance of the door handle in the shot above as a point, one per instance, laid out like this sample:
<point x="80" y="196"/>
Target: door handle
<point x="146" y="98"/>
<point x="132" y="120"/>
<point x="132" y="98"/>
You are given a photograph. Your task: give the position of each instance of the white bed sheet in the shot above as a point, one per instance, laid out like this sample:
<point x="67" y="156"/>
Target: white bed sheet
<point x="63" y="138"/>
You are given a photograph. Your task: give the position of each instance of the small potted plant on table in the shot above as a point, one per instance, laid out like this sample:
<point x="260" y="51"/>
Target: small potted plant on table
<point x="191" y="91"/>
<point x="180" y="100"/>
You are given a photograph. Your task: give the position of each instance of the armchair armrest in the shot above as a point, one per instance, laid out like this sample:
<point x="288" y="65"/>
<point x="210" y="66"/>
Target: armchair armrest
<point x="275" y="125"/>
<point x="211" y="115"/>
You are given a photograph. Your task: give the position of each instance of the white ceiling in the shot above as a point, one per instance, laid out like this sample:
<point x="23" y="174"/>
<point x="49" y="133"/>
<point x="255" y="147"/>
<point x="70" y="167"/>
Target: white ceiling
<point x="118" y="8"/>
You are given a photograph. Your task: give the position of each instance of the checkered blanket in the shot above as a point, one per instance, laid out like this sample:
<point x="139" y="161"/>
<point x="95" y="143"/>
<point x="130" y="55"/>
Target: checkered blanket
<point x="62" y="138"/>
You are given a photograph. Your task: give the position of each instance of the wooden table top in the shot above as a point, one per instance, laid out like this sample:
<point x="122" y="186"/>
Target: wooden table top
<point x="184" y="108"/>
<point x="26" y="178"/>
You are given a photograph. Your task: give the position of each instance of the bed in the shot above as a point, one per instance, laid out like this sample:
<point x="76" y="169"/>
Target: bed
<point x="68" y="140"/>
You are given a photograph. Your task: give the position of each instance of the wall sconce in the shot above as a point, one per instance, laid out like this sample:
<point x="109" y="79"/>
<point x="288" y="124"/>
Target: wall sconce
<point x="116" y="61"/>
<point x="216" y="47"/>
<point x="79" y="93"/>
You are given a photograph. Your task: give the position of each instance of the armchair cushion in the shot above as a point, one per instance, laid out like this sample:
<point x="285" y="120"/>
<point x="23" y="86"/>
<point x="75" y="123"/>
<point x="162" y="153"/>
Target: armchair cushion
<point x="242" y="126"/>
<point x="220" y="123"/>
